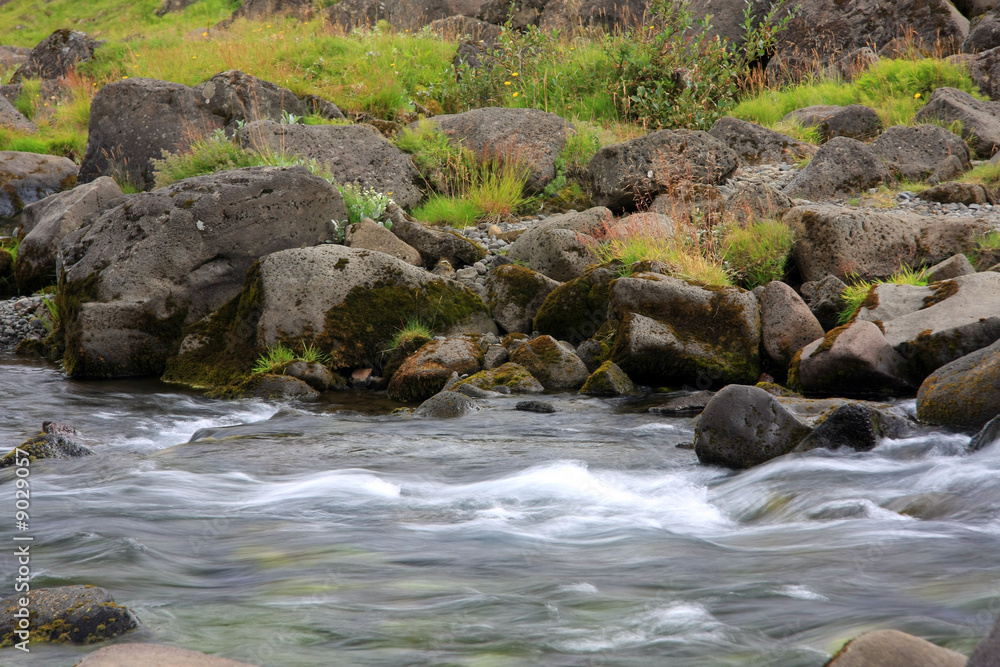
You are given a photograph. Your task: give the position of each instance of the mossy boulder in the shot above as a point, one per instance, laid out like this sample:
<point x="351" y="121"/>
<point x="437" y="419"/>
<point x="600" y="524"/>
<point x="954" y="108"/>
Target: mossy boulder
<point x="446" y="405"/>
<point x="556" y="367"/>
<point x="607" y="380"/>
<point x="47" y="446"/>
<point x="427" y="371"/>
<point x="144" y="270"/>
<point x="66" y="614"/>
<point x="513" y="376"/>
<point x="514" y="294"/>
<point x="577" y="309"/>
<point x="402" y="352"/>
<point x="964" y="393"/>
<point x="674" y="333"/>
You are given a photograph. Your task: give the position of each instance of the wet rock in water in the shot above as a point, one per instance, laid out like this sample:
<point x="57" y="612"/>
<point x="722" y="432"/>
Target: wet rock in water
<point x="987" y="652"/>
<point x="541" y="407"/>
<point x="691" y="403"/>
<point x="315" y="374"/>
<point x="446" y="405"/>
<point x="963" y="394"/>
<point x="891" y="648"/>
<point x="608" y="380"/>
<point x="841" y="167"/>
<point x="66" y="614"/>
<point x="926" y="506"/>
<point x="428" y="369"/>
<point x="514" y="294"/>
<point x="512" y="377"/>
<point x="854" y="121"/>
<point x="552" y="364"/>
<point x="55" y="442"/>
<point x="153" y="655"/>
<point x="855" y="425"/>
<point x="986" y="436"/>
<point x="29" y="177"/>
<point x="472" y="391"/>
<point x="279" y="388"/>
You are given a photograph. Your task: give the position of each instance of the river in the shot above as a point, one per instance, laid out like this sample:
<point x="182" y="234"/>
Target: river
<point x="337" y="533"/>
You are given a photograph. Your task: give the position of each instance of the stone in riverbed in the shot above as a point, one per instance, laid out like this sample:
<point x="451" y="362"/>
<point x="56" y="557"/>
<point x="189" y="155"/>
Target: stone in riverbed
<point x="446" y="405"/>
<point x="891" y="648"/>
<point x="153" y="655"/>
<point x="55" y="442"/>
<point x="514" y="294"/>
<point x="986" y="436"/>
<point x="428" y="369"/>
<point x="963" y="393"/>
<point x="67" y="614"/>
<point x="552" y="364"/>
<point x="513" y="377"/>
<point x="787" y="324"/>
<point x="608" y="380"/>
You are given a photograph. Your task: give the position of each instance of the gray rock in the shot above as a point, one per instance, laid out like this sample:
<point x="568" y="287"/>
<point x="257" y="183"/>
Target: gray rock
<point x="957" y="193"/>
<point x="983" y="68"/>
<point x="887" y="301"/>
<point x="841" y="166"/>
<point x="12" y="119"/>
<point x="318" y="106"/>
<point x="953" y="267"/>
<point x="973" y="8"/>
<point x="631" y="174"/>
<point x="171" y="6"/>
<point x="28" y="177"/>
<point x="473" y="391"/>
<point x="13" y="56"/>
<point x="855" y="425"/>
<point x="744" y="426"/>
<point x="787" y="324"/>
<point x="496" y="356"/>
<point x="591" y="353"/>
<point x="446" y="405"/>
<point x="282" y="388"/>
<point x="984" y="32"/>
<point x="153" y="655"/>
<point x="261" y="10"/>
<point x="541" y="407"/>
<point x="77" y="614"/>
<point x="425" y="372"/>
<point x="51" y="445"/>
<point x="369" y="235"/>
<point x="963" y="393"/>
<point x="987" y="435"/>
<point x="520" y="13"/>
<point x="314" y="374"/>
<point x="56" y="55"/>
<point x="608" y="380"/>
<point x="825" y="299"/>
<point x="351" y="153"/>
<point x="133" y="121"/>
<point x="402" y="15"/>
<point x="987" y="652"/>
<point x="165" y="259"/>
<point x="687" y="403"/>
<point x="237" y="96"/>
<point x="551" y="364"/>
<point x="980" y="120"/>
<point x="758" y="145"/>
<point x="557" y="248"/>
<point x="922" y="152"/>
<point x="514" y="295"/>
<point x="755" y="201"/>
<point x="854" y="121"/>
<point x="891" y="648"/>
<point x="45" y="223"/>
<point x="434" y="245"/>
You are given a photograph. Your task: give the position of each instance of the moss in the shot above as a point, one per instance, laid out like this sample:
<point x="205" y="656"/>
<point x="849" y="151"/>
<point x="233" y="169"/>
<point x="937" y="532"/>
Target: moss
<point x="777" y="390"/>
<point x="69" y="301"/>
<point x="575" y="310"/>
<point x="513" y="339"/>
<point x="607" y="380"/>
<point x="513" y="376"/>
<point x="342" y="263"/>
<point x="829" y="339"/>
<point x="520" y="285"/>
<point x="942" y="291"/>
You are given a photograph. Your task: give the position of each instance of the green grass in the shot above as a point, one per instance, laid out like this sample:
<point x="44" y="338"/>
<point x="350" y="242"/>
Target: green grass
<point x="278" y="356"/>
<point x="497" y="189"/>
<point x="11" y="245"/>
<point x="757" y="253"/>
<point x="444" y="210"/>
<point x="988" y="243"/>
<point x="986" y="174"/>
<point x="685" y="258"/>
<point x="205" y="156"/>
<point x="413" y="329"/>
<point x="855" y="293"/>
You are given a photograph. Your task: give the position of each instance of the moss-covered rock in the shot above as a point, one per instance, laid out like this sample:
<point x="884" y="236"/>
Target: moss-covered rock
<point x="46" y="446"/>
<point x="513" y="376"/>
<point x="427" y="371"/>
<point x="608" y="380"/>
<point x="446" y="405"/>
<point x="576" y="310"/>
<point x="552" y="364"/>
<point x="514" y="294"/>
<point x="964" y="393"/>
<point x="67" y="614"/>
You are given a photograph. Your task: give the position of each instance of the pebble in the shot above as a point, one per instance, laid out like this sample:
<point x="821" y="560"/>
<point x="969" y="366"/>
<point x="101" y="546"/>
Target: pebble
<point x="18" y="321"/>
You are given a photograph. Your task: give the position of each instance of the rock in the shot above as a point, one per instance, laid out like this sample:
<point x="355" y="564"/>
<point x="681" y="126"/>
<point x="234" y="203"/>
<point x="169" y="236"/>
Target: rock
<point x="608" y="380"/>
<point x="153" y="655"/>
<point x="841" y="166"/>
<point x="351" y="153"/>
<point x="755" y="144"/>
<point x="551" y="364"/>
<point x="922" y="153"/>
<point x="852" y="360"/>
<point x="64" y="614"/>
<point x="346" y="303"/>
<point x="541" y="407"/>
<point x="369" y="235"/>
<point x="28" y="177"/>
<point x="745" y="426"/>
<point x="426" y="372"/>
<point x="557" y="248"/>
<point x="953" y="267"/>
<point x="520" y="13"/>
<point x="687" y="403"/>
<point x="983" y="68"/>
<point x="973" y="8"/>
<point x="756" y="201"/>
<point x="891" y="648"/>
<point x="825" y="299"/>
<point x="318" y="106"/>
<point x="315" y="374"/>
<point x="513" y="377"/>
<point x="514" y="294"/>
<point x="855" y="425"/>
<point x="957" y="193"/>
<point x="237" y="96"/>
<point x="673" y="333"/>
<point x="980" y="120"/>
<point x="261" y="10"/>
<point x="12" y="119"/>
<point x="45" y="223"/>
<point x="529" y="137"/>
<point x="629" y="175"/>
<point x="869" y="244"/>
<point x="578" y="309"/>
<point x="48" y="445"/>
<point x="446" y="405"/>
<point x="962" y="316"/>
<point x="13" y="56"/>
<point x="56" y="56"/>
<point x="145" y="269"/>
<point x="434" y="245"/>
<point x="854" y="121"/>
<point x="402" y="15"/>
<point x="278" y="388"/>
<point x="963" y="393"/>
<point x="984" y="32"/>
<point x="787" y="324"/>
<point x="987" y="435"/>
<point x="496" y="356"/>
<point x="133" y="121"/>
<point x="465" y="28"/>
<point x="171" y="6"/>
<point x="987" y="652"/>
<point x="887" y="301"/>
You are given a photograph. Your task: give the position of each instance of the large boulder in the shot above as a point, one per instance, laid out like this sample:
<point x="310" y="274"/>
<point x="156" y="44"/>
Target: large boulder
<point x="984" y="32"/>
<point x="529" y="137"/>
<point x="65" y="614"/>
<point x="887" y="301"/>
<point x="923" y="152"/>
<point x="351" y="153"/>
<point x="370" y="235"/>
<point x="870" y="244"/>
<point x="402" y="15"/>
<point x="514" y="294"/>
<point x="346" y="303"/>
<point x="841" y="166"/>
<point x="984" y="69"/>
<point x="891" y="648"/>
<point x="963" y="393"/>
<point x="555" y="366"/>
<point x="671" y="332"/>
<point x="446" y="405"/>
<point x="557" y="247"/>
<point x="427" y="371"/>
<point x="852" y="360"/>
<point x="787" y="324"/>
<point x="28" y="177"/>
<point x="758" y="145"/>
<point x="434" y="245"/>
<point x="133" y="121"/>
<point x="855" y="121"/>
<point x="146" y="268"/>
<point x="577" y="310"/>
<point x="631" y="174"/>
<point x="153" y="655"/>
<point x="234" y="95"/>
<point x="979" y="120"/>
<point x="12" y="119"/>
<point x="56" y="55"/>
<point x="261" y="10"/>
<point x="45" y="223"/>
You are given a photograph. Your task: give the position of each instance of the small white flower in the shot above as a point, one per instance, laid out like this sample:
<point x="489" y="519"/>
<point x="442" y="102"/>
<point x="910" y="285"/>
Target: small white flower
<point x="200" y="225"/>
<point x="649" y="174"/>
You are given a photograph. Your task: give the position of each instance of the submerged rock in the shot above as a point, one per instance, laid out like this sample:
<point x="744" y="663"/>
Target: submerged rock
<point x="66" y="614"/>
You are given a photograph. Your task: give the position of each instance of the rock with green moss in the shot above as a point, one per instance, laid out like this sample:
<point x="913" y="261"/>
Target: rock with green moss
<point x="513" y="377"/>
<point x="961" y="316"/>
<point x="674" y="333"/>
<point x="47" y="445"/>
<point x="558" y="246"/>
<point x="426" y="372"/>
<point x="964" y="393"/>
<point x="852" y="360"/>
<point x="271" y="387"/>
<point x="608" y="380"/>
<point x="514" y="294"/>
<point x="144" y="270"/>
<point x="402" y="352"/>
<point x="66" y="614"/>
<point x="577" y="310"/>
<point x="555" y="366"/>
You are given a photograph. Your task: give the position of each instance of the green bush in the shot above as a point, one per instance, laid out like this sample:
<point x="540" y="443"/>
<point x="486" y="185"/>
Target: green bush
<point x="757" y="254"/>
<point x="444" y="210"/>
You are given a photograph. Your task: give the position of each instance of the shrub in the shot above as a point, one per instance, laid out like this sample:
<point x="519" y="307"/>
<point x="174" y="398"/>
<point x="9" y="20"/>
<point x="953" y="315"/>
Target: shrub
<point x="757" y="254"/>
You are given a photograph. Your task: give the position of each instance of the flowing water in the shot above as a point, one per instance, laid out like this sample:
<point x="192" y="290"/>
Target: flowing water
<point x="337" y="534"/>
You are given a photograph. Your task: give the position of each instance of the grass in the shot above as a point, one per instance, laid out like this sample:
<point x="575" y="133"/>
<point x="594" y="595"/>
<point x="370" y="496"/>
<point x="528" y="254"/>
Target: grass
<point x="497" y="189"/>
<point x="986" y="244"/>
<point x="452" y="211"/>
<point x="757" y="253"/>
<point x="985" y="174"/>
<point x="205" y="156"/>
<point x="11" y="245"/>
<point x="855" y="293"/>
<point x="413" y="329"/>
<point x="278" y="356"/>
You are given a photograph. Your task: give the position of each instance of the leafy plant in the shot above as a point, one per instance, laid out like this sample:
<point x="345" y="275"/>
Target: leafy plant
<point x="758" y="252"/>
<point x="364" y="203"/>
